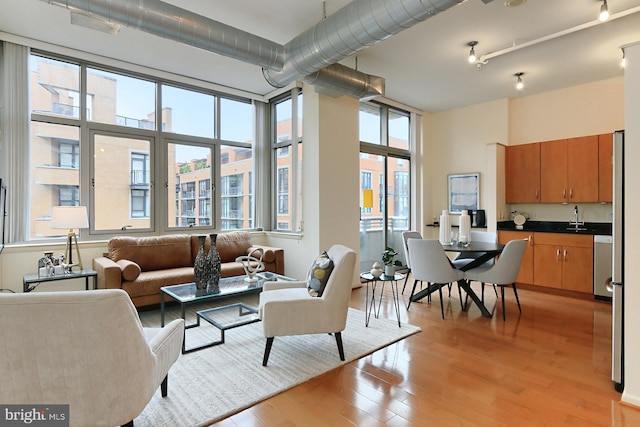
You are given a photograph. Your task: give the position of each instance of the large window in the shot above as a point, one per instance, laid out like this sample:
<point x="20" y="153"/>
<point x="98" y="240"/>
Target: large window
<point x="287" y="167"/>
<point x="148" y="159"/>
<point x="385" y="155"/>
<point x="121" y="182"/>
<point x="190" y="173"/>
<point x="237" y="188"/>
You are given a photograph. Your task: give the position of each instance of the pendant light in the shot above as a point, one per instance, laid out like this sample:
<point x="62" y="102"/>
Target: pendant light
<point x="604" y="11"/>
<point x="519" y="83"/>
<point x="472" y="53"/>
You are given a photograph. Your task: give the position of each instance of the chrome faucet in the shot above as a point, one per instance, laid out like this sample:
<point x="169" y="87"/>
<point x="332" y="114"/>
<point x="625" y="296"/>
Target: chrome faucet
<point x="575" y="222"/>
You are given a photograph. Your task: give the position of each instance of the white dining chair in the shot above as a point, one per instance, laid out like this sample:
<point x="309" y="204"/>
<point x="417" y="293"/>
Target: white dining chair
<point x="503" y="273"/>
<point x="429" y="263"/>
<point x="406" y="235"/>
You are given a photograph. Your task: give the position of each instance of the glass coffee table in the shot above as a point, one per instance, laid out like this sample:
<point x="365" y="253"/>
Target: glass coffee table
<point x="187" y="294"/>
<point x="228" y="317"/>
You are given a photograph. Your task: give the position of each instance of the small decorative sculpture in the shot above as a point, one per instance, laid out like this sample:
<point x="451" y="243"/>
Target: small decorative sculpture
<point x="214" y="265"/>
<point x="252" y="265"/>
<point x="376" y="269"/>
<point x="199" y="266"/>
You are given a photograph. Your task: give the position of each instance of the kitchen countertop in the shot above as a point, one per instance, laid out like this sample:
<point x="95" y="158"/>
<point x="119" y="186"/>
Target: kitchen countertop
<point x="593" y="228"/>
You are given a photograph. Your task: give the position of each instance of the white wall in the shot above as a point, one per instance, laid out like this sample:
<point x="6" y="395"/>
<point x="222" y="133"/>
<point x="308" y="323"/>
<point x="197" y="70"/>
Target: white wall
<point x="582" y="110"/>
<point x="458" y="141"/>
<point x="632" y="228"/>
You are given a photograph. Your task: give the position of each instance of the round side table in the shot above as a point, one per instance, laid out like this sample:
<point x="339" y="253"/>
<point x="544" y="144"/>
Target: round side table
<point x="370" y="303"/>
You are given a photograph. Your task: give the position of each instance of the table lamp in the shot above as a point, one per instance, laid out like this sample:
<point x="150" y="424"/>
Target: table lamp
<point x="71" y="218"/>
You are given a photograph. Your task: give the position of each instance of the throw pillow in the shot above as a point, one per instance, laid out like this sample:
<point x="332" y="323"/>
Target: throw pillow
<point x="130" y="270"/>
<point x="319" y="274"/>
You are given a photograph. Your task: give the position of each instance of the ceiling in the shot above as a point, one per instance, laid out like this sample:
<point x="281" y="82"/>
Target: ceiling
<point x="425" y="66"/>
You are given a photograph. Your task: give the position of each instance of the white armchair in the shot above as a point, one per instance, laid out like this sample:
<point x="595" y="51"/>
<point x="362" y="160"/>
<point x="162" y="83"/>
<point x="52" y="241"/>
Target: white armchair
<point x="286" y="308"/>
<point x="86" y="349"/>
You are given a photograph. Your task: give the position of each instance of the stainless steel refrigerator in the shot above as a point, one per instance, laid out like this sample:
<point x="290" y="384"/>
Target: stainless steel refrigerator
<point x="617" y="274"/>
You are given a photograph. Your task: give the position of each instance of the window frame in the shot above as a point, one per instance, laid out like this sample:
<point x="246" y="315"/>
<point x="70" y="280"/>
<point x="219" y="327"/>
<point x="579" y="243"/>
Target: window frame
<point x="293" y="146"/>
<point x="159" y="137"/>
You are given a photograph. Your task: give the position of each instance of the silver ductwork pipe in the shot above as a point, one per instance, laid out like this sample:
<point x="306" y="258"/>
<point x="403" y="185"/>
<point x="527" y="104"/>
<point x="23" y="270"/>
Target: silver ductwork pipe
<point x="336" y="80"/>
<point x="174" y="23"/>
<point x="358" y="25"/>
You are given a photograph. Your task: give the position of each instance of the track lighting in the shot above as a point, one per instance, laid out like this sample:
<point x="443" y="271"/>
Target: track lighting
<point x="472" y="53"/>
<point x="604" y="11"/>
<point x="519" y="83"/>
<point x="623" y="62"/>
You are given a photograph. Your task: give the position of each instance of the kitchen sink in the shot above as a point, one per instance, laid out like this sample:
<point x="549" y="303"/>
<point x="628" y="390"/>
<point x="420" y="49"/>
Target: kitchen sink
<point x="576" y="229"/>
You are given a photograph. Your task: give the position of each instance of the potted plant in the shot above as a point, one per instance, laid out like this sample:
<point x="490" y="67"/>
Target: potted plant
<point x="389" y="263"/>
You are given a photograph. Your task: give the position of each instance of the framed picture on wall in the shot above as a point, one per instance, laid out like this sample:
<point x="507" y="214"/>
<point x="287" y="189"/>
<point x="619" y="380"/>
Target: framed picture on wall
<point x="464" y="192"/>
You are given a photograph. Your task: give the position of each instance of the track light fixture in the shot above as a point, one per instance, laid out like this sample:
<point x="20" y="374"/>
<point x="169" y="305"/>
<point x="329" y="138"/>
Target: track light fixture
<point x="604" y="11"/>
<point x="472" y="53"/>
<point x="623" y="62"/>
<point x="519" y="83"/>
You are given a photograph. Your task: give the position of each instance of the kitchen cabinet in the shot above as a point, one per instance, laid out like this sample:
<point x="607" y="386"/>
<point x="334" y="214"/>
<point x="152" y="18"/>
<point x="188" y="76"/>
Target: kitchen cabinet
<point x="605" y="167"/>
<point x="569" y="170"/>
<point x="563" y="261"/>
<point x="525" y="275"/>
<point x="522" y="172"/>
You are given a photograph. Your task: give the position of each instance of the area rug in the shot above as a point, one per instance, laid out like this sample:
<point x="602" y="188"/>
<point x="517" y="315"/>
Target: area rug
<point x="213" y="383"/>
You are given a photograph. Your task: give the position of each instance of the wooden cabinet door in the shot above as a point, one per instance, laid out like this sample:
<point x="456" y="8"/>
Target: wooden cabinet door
<point x="525" y="275"/>
<point x="522" y="173"/>
<point x="553" y="171"/>
<point x="577" y="269"/>
<point x="582" y="169"/>
<point x="605" y="167"/>
<point x="547" y="260"/>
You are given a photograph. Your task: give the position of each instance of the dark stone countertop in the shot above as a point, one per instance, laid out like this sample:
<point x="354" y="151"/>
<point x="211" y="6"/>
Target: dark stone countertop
<point x="593" y="228"/>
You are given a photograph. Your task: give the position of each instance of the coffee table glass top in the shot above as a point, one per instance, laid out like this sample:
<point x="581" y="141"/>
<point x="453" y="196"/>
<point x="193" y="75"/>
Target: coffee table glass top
<point x="187" y="292"/>
<point x="230" y="316"/>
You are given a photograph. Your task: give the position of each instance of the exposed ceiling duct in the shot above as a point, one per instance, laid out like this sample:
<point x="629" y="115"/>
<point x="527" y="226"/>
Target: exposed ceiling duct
<point x="358" y="25"/>
<point x="174" y="23"/>
<point x="311" y="56"/>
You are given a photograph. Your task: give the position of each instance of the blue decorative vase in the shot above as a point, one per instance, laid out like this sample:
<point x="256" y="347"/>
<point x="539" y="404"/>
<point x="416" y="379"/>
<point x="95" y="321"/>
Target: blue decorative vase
<point x="200" y="270"/>
<point x="214" y="265"/>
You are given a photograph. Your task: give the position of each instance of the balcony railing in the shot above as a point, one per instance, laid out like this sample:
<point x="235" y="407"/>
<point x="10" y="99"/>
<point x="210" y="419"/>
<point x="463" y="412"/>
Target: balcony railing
<point x="139" y="177"/>
<point x="135" y="123"/>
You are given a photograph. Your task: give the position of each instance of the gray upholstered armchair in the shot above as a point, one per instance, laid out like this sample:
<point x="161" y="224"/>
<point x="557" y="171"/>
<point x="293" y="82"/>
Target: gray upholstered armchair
<point x="286" y="308"/>
<point x="86" y="349"/>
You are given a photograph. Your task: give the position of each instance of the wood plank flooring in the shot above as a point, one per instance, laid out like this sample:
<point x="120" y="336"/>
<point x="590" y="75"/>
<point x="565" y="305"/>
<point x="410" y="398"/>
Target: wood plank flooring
<point x="548" y="366"/>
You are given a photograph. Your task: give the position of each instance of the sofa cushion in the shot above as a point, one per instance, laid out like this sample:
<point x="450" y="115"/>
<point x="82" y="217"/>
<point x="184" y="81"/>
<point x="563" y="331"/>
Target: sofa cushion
<point x="319" y="274"/>
<point x="130" y="270"/>
<point x="153" y="253"/>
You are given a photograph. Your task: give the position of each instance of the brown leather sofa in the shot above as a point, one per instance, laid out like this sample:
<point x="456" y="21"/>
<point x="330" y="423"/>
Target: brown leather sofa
<point x="142" y="265"/>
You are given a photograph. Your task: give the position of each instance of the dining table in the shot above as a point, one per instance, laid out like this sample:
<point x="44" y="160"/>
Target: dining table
<point x="478" y="253"/>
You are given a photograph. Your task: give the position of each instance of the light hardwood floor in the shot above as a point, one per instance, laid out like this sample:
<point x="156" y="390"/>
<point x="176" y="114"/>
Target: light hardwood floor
<point x="548" y="366"/>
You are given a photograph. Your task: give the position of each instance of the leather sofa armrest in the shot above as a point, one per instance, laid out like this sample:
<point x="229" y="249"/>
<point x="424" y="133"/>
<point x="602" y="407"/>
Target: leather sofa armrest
<point x="109" y="273"/>
<point x="273" y="258"/>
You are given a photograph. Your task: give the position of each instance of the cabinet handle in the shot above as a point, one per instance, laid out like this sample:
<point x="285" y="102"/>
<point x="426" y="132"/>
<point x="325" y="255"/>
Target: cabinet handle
<point x="537" y="194"/>
<point x="564" y="193"/>
<point x="565" y="254"/>
<point x="571" y="193"/>
<point x="558" y="255"/>
<point x="530" y="239"/>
